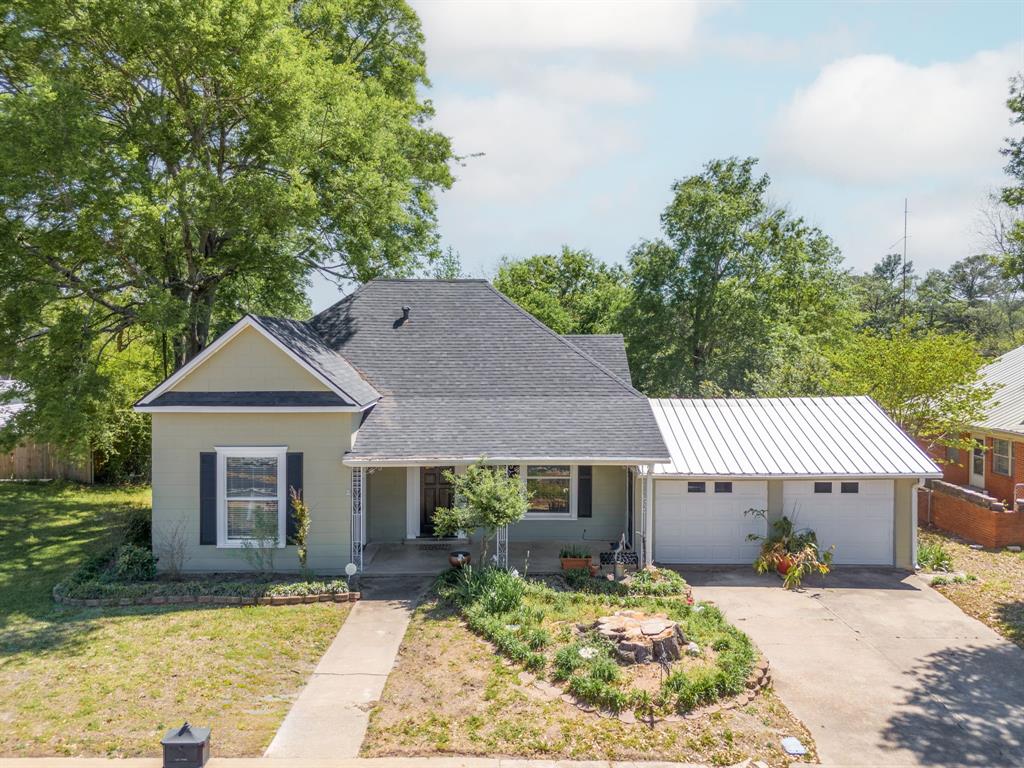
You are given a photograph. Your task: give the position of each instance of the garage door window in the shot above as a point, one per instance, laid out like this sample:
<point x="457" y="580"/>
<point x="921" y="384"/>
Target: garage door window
<point x="849" y="487"/>
<point x="723" y="487"/>
<point x="695" y="487"/>
<point x="823" y="487"/>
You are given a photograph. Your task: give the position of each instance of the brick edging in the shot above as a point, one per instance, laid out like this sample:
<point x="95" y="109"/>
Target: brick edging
<point x="107" y="602"/>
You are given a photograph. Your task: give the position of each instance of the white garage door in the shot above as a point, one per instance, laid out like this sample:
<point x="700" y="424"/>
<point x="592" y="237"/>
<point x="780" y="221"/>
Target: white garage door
<point x="856" y="516"/>
<point x="703" y="521"/>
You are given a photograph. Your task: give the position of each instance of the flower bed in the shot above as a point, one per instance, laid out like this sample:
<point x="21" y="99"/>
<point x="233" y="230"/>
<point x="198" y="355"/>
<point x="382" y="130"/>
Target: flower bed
<point x="97" y="583"/>
<point x="552" y="634"/>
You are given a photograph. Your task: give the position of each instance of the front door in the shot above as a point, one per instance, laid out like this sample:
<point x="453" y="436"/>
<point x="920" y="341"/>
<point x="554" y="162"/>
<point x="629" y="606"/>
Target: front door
<point x="435" y="492"/>
<point x="978" y="463"/>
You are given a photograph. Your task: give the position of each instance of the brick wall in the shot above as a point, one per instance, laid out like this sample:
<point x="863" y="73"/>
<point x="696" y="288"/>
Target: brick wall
<point x="972" y="515"/>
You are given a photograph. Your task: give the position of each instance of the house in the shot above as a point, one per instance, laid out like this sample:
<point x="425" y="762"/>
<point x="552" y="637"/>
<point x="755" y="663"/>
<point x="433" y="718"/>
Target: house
<point x="996" y="464"/>
<point x="982" y="496"/>
<point x="362" y="407"/>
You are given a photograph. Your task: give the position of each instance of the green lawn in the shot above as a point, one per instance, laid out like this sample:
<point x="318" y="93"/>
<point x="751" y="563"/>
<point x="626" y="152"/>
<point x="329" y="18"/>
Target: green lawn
<point x="109" y="681"/>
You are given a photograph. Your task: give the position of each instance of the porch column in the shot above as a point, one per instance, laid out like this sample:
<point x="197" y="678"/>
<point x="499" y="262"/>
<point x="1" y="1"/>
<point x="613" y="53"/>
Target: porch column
<point x="357" y="531"/>
<point x="649" y="515"/>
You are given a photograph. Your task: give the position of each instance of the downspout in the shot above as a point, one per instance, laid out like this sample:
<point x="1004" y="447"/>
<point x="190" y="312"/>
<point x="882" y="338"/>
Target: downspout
<point x="913" y="522"/>
<point x="649" y="516"/>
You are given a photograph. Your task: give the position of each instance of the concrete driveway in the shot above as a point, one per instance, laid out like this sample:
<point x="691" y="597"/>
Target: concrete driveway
<point x="881" y="668"/>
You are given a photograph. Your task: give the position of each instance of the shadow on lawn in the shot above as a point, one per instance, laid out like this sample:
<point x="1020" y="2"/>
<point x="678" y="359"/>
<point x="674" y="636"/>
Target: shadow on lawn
<point x="1012" y="617"/>
<point x="963" y="707"/>
<point x="46" y="530"/>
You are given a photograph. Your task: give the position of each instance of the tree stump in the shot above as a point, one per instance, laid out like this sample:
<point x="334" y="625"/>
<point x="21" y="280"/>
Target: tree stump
<point x="641" y="638"/>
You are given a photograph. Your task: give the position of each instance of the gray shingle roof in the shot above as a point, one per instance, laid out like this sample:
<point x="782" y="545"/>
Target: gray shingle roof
<point x="305" y="343"/>
<point x="470" y="373"/>
<point x="267" y="399"/>
<point x="609" y="349"/>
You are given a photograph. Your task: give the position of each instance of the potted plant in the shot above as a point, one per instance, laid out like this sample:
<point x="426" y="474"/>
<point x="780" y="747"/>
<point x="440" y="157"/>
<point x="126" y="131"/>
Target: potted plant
<point x="574" y="558"/>
<point x="793" y="553"/>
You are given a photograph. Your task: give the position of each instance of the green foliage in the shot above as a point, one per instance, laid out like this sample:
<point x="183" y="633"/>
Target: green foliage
<point x="657" y="582"/>
<point x="571" y="292"/>
<point x="734" y="277"/>
<point x="577" y="578"/>
<point x="933" y="556"/>
<point x="302" y="519"/>
<point x="89" y="589"/>
<point x="486" y="499"/>
<point x="573" y="551"/>
<point x="132" y="563"/>
<point x="929" y="383"/>
<point x="168" y="165"/>
<point x="138" y="528"/>
<point x="795" y="549"/>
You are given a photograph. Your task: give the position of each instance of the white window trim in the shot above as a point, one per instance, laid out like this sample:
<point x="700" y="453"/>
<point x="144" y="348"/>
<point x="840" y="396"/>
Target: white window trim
<point x="573" y="495"/>
<point x="1008" y="456"/>
<point x="223" y="452"/>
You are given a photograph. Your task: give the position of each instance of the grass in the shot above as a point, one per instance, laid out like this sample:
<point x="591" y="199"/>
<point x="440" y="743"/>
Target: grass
<point x="110" y="681"/>
<point x="450" y="694"/>
<point x="538" y="627"/>
<point x="992" y="585"/>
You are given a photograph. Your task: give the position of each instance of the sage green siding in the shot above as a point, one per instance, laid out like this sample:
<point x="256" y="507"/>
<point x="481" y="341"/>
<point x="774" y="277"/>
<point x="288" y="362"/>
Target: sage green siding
<point x="323" y="438"/>
<point x="609" y="514"/>
<point x="385" y="504"/>
<point x="249" y="363"/>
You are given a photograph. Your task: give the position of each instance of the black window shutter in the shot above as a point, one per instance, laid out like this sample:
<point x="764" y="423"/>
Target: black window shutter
<point x="293" y="479"/>
<point x="585" y="502"/>
<point x="208" y="498"/>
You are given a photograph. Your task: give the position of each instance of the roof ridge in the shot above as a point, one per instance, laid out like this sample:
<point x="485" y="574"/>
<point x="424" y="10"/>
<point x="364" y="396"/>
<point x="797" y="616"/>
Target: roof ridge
<point x="632" y="390"/>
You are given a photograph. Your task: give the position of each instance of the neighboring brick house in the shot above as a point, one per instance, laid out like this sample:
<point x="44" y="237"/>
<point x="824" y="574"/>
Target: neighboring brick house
<point x="993" y="516"/>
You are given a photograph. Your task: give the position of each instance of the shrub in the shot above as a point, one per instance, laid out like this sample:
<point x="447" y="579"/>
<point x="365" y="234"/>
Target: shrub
<point x="933" y="556"/>
<point x="138" y="529"/>
<point x="577" y="578"/>
<point x="132" y="563"/>
<point x="657" y="582"/>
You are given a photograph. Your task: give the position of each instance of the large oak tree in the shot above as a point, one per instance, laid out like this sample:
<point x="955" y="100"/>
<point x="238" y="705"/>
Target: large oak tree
<point x="167" y="165"/>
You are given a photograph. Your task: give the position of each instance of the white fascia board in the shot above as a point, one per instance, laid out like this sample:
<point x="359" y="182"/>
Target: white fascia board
<point x="249" y="409"/>
<point x="438" y="460"/>
<point x="246" y="322"/>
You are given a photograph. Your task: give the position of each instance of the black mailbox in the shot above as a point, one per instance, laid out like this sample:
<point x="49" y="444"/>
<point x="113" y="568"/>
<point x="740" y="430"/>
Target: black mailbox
<point x="186" y="747"/>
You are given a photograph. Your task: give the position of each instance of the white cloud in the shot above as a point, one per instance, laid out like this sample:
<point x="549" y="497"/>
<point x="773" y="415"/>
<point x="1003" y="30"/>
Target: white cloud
<point x="457" y="27"/>
<point x="531" y="139"/>
<point x="873" y="118"/>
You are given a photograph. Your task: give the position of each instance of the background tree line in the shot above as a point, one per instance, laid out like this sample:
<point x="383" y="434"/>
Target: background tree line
<point x="169" y="165"/>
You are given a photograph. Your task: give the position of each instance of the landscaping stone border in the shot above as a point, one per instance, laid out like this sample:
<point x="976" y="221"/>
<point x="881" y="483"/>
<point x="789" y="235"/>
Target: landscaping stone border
<point x="121" y="602"/>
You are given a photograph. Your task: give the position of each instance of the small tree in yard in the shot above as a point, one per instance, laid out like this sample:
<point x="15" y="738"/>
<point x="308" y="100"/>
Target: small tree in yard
<point x="929" y="384"/>
<point x="486" y="498"/>
<point x="301" y="512"/>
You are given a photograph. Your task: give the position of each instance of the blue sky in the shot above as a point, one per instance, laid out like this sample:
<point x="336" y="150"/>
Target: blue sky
<point x="586" y="112"/>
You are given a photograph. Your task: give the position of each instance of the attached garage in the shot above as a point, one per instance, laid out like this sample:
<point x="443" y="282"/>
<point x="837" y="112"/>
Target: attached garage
<point x="706" y="522"/>
<point x="855" y="516"/>
<point x="836" y="465"/>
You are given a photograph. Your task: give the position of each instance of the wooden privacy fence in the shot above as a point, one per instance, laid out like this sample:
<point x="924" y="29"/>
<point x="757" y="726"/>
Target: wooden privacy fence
<point x="35" y="461"/>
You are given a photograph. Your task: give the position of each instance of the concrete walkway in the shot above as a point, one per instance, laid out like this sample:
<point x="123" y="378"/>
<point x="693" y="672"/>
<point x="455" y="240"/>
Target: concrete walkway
<point x="882" y="669"/>
<point x="330" y="716"/>
<point x="352" y="762"/>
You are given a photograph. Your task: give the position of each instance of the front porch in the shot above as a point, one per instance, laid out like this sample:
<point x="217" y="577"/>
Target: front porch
<point x="430" y="556"/>
<point x="392" y="529"/>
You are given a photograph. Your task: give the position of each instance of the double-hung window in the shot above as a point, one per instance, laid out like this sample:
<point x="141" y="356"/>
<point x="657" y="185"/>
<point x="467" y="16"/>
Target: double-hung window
<point x="1001" y="457"/>
<point x="551" y="490"/>
<point x="251" y="496"/>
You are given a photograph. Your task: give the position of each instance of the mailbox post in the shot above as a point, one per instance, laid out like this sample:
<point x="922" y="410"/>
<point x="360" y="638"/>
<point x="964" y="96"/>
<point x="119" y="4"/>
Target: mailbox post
<point x="186" y="747"/>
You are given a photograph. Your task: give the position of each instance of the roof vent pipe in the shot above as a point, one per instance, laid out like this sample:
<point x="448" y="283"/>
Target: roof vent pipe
<point x="405" y="313"/>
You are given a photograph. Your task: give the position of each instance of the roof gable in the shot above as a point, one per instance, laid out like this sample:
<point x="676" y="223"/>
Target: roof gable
<point x="267" y="354"/>
<point x="609" y="349"/>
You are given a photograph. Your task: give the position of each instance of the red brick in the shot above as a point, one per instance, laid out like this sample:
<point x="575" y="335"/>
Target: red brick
<point x="972" y="521"/>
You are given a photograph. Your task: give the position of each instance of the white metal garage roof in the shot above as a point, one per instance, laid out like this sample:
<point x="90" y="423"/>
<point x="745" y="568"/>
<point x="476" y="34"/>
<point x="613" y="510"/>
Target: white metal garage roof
<point x="786" y="437"/>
